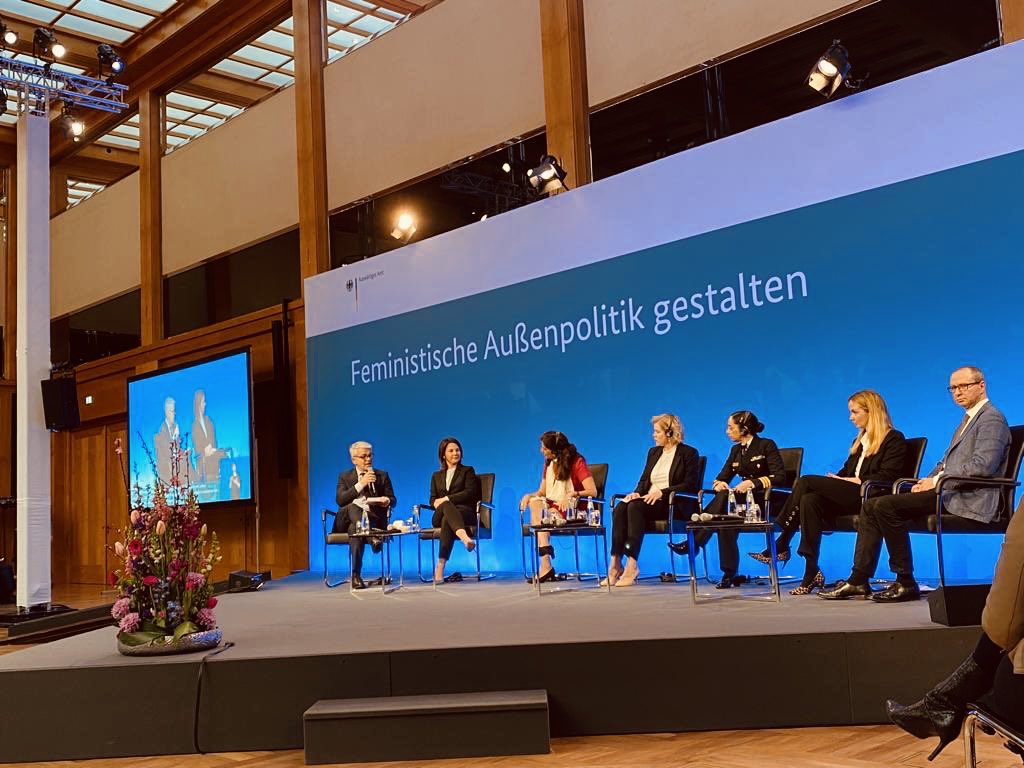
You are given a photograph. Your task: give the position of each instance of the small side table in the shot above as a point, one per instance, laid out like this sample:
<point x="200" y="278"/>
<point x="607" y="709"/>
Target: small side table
<point x="387" y="581"/>
<point x="767" y="528"/>
<point x="576" y="531"/>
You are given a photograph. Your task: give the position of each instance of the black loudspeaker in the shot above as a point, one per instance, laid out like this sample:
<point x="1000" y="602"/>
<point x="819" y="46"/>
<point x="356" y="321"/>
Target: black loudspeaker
<point x="959" y="605"/>
<point x="60" y="404"/>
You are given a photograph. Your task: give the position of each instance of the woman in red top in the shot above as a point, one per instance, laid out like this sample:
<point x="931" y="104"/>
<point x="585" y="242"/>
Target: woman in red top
<point x="565" y="476"/>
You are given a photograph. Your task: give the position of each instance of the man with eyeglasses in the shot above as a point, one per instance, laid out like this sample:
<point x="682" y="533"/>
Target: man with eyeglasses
<point x="362" y="489"/>
<point x="979" y="448"/>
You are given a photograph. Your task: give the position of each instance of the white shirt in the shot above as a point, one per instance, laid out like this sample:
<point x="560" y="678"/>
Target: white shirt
<point x="659" y="473"/>
<point x="863" y="455"/>
<point x="448" y="475"/>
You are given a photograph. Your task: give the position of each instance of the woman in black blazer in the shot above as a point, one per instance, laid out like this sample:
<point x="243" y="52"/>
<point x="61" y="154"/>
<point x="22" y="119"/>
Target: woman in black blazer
<point x="877" y="453"/>
<point x="454" y="493"/>
<point x="671" y="466"/>
<point x="756" y="461"/>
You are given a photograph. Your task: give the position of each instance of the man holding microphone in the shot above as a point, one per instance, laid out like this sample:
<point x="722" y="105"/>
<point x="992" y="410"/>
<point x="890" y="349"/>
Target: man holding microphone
<point x="362" y="489"/>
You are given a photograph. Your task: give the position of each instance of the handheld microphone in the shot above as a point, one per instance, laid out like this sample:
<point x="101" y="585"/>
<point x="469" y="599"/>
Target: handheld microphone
<point x="372" y="486"/>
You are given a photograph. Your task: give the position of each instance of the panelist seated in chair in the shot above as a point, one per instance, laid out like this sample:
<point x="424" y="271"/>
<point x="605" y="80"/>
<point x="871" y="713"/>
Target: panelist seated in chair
<point x="979" y="448"/>
<point x="362" y="489"/>
<point x="454" y="493"/>
<point x="993" y="675"/>
<point x="565" y="477"/>
<point x="877" y="454"/>
<point x="671" y="466"/>
<point x="756" y="461"/>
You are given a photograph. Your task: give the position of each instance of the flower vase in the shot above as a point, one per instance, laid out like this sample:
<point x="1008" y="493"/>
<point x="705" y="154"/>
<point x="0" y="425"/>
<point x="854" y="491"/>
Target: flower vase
<point x="167" y="644"/>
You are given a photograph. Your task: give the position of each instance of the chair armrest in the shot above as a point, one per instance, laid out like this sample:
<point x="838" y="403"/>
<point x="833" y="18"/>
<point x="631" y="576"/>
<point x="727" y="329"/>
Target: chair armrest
<point x="778" y="489"/>
<point x="324" y="513"/>
<point x="620" y="496"/>
<point x="485" y="505"/>
<point x="984" y="482"/>
<point x="897" y="487"/>
<point x="595" y="500"/>
<point x="868" y="485"/>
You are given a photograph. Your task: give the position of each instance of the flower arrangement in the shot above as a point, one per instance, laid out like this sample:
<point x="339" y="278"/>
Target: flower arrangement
<point x="164" y="584"/>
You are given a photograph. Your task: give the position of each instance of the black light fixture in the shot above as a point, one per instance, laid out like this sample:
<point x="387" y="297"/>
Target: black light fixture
<point x="110" y="63"/>
<point x="72" y="125"/>
<point x="832" y="70"/>
<point x="548" y="176"/>
<point x="10" y="36"/>
<point x="46" y="45"/>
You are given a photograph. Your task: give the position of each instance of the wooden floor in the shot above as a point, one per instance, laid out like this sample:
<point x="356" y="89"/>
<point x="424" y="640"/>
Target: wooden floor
<point x="860" y="747"/>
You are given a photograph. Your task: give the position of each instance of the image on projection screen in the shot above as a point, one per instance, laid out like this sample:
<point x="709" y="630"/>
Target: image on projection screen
<point x="193" y="421"/>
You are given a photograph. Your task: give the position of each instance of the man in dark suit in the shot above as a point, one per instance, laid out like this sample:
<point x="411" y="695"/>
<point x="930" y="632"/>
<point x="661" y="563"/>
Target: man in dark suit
<point x="362" y="489"/>
<point x="166" y="443"/>
<point x="979" y="448"/>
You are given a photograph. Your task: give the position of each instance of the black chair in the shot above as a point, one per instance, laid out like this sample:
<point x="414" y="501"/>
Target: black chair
<point x="941" y="522"/>
<point x="911" y="468"/>
<point x="681" y="505"/>
<point x="792" y="462"/>
<point x="482" y="530"/>
<point x="339" y="539"/>
<point x="600" y="474"/>
<point x="978" y="717"/>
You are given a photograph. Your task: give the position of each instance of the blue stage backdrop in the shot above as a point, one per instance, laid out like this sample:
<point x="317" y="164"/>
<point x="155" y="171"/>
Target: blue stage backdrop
<point x="221" y="473"/>
<point x="787" y="314"/>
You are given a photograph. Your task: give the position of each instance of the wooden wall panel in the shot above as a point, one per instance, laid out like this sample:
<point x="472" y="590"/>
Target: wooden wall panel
<point x="87" y="512"/>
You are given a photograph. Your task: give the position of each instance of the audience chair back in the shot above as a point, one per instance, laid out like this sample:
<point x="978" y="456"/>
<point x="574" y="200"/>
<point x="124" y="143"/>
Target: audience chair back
<point x="792" y="461"/>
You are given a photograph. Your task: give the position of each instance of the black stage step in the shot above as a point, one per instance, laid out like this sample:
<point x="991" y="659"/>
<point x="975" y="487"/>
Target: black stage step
<point x="490" y="724"/>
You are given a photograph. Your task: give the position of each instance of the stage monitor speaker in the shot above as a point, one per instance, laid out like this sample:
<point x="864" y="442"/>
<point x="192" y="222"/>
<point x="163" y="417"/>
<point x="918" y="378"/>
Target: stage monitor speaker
<point x="247" y="581"/>
<point x="60" y="404"/>
<point x="958" y="605"/>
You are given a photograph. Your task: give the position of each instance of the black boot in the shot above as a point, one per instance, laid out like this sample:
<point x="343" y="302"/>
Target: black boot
<point x="942" y="710"/>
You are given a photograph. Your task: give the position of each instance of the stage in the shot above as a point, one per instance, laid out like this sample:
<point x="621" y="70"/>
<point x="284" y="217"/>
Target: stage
<point x="732" y="664"/>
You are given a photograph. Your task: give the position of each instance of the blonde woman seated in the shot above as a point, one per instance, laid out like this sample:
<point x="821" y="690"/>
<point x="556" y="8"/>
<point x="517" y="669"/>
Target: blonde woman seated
<point x="565" y="477"/>
<point x="877" y="454"/>
<point x="671" y="466"/>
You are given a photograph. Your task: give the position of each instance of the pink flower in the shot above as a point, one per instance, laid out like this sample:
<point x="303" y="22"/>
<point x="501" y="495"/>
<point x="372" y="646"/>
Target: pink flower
<point x="194" y="581"/>
<point x="161" y="528"/>
<point x="149" y="581"/>
<point x="206" y="619"/>
<point x="129" y="623"/>
<point x="134" y="516"/>
<point x="119" y="548"/>
<point x="112" y="578"/>
<point x="135" y="547"/>
<point x="211" y="603"/>
<point x="121" y="608"/>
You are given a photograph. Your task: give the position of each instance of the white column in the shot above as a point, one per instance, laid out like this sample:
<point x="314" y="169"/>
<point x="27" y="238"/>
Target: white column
<point x="33" y="364"/>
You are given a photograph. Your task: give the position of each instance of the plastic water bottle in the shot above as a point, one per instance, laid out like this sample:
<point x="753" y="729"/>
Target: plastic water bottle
<point x="754" y="513"/>
<point x="593" y="518"/>
<point x="364" y="523"/>
<point x="732" y="503"/>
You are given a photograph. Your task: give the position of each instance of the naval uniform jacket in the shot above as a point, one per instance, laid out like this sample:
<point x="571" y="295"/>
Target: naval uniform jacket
<point x="760" y="462"/>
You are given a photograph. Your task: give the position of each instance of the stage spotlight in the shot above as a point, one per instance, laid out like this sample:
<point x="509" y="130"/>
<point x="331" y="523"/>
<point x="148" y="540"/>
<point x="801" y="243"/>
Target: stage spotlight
<point x="405" y="227"/>
<point x="548" y="176"/>
<point x="831" y="70"/>
<point x="72" y="125"/>
<point x="45" y="43"/>
<point x="109" y="61"/>
<point x="10" y="36"/>
<point x="506" y="167"/>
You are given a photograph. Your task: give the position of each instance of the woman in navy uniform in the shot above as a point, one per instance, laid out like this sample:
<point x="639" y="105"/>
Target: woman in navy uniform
<point x="756" y="461"/>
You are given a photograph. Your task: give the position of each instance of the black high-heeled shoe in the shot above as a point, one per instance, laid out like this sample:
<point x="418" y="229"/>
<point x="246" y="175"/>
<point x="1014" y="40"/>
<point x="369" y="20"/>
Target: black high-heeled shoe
<point x="729" y="580"/>
<point x="942" y="710"/>
<point x="679" y="547"/>
<point x="547" y="576"/>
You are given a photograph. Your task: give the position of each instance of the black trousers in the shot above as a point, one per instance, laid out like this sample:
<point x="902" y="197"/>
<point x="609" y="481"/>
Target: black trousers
<point x="629" y="521"/>
<point x="449" y="518"/>
<point x="815" y="503"/>
<point x="348" y="520"/>
<point x="888" y="519"/>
